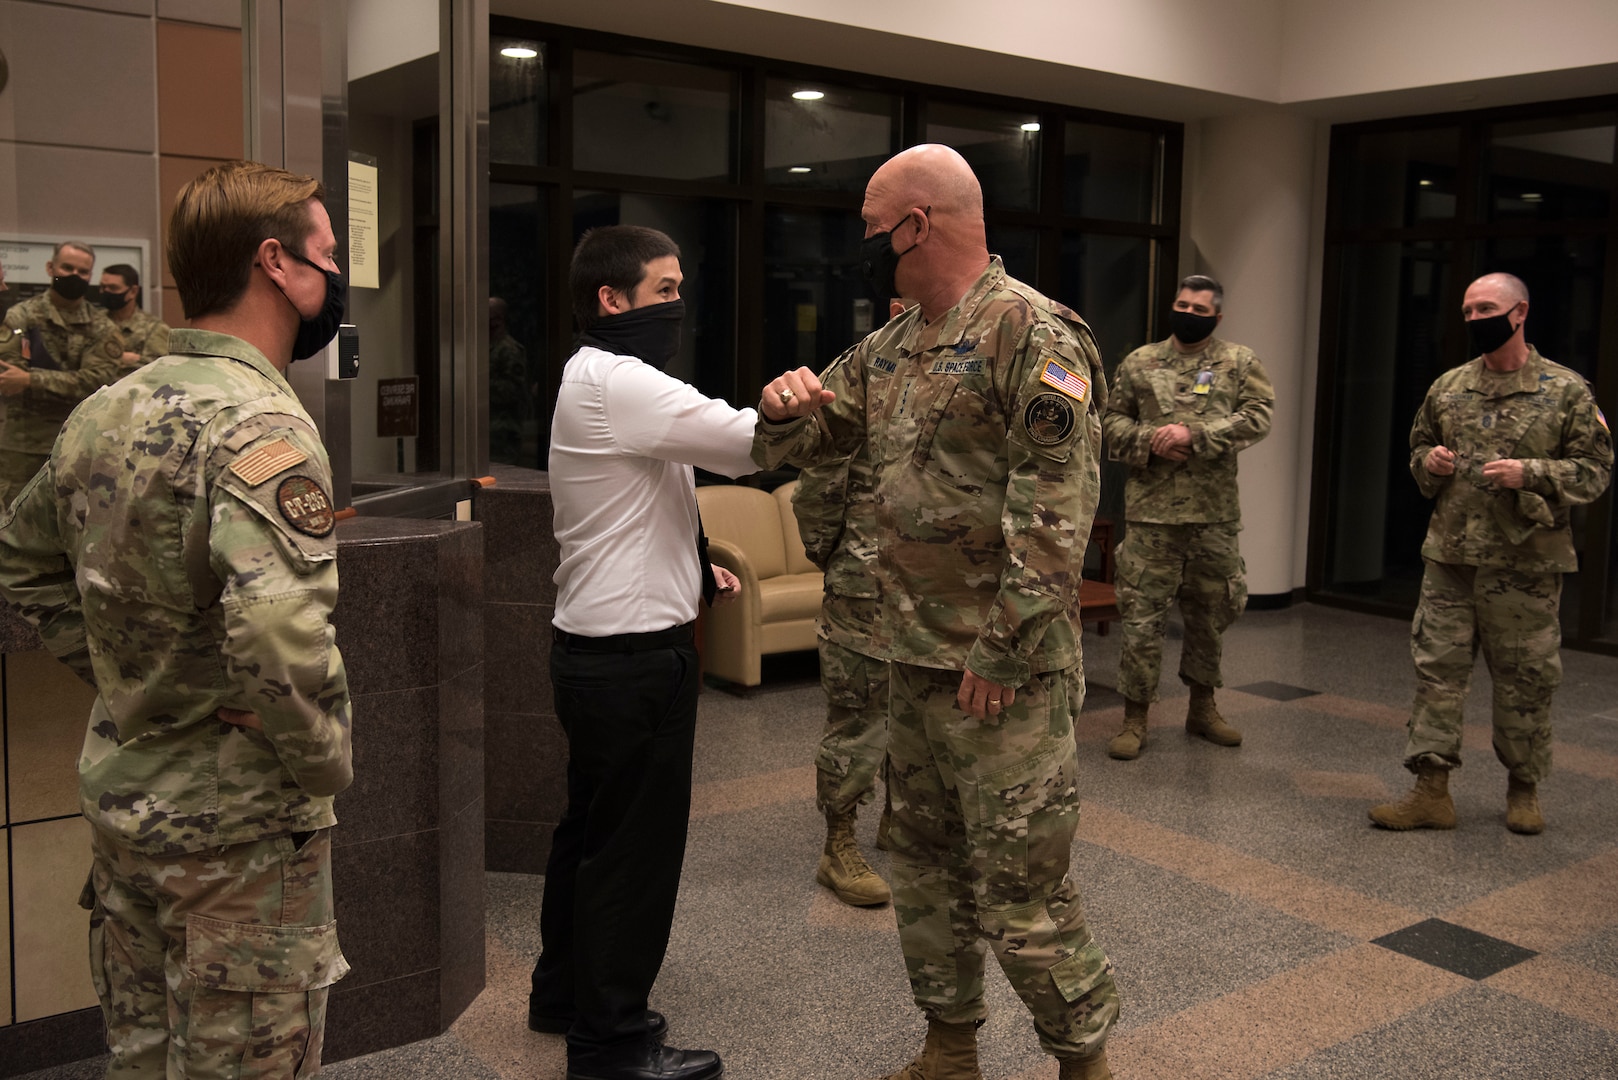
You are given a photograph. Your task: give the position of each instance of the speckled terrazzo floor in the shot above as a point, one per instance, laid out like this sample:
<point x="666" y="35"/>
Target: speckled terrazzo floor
<point x="1260" y="926"/>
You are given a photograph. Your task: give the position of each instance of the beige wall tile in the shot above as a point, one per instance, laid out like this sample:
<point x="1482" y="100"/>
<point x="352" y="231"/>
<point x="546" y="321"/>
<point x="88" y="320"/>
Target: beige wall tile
<point x="47" y="709"/>
<point x="49" y="862"/>
<point x="65" y="191"/>
<point x="77" y="62"/>
<point x="128" y="7"/>
<point x="199" y="90"/>
<point x="215" y="12"/>
<point x="5" y="939"/>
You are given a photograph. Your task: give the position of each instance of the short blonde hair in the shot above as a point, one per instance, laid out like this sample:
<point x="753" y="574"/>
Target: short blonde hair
<point x="219" y="221"/>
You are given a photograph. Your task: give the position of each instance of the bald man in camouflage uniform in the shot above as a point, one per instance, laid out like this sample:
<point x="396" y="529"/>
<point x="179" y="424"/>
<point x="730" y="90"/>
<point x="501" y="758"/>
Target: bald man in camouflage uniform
<point x="836" y="514"/>
<point x="178" y="553"/>
<point x="1179" y="412"/>
<point x="980" y="411"/>
<point x="1507" y="444"/>
<point x="55" y="350"/>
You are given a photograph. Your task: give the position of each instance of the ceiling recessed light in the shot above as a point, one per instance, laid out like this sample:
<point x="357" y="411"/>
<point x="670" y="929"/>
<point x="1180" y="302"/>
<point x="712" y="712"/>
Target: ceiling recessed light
<point x="1425" y="183"/>
<point x="800" y="169"/>
<point x="1532" y="196"/>
<point x="808" y="95"/>
<point x="1032" y="125"/>
<point x="519" y="52"/>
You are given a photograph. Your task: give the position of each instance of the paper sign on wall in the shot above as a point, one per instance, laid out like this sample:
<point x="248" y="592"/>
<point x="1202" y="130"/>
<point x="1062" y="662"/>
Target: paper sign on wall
<point x="362" y="226"/>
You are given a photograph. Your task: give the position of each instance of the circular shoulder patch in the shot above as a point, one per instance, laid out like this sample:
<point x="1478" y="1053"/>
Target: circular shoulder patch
<point x="306" y="506"/>
<point x="6" y="334"/>
<point x="112" y="349"/>
<point x="1048" y="419"/>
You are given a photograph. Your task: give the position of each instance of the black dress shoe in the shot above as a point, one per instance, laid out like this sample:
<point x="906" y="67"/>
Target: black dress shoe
<point x="648" y="1061"/>
<point x="657" y="1025"/>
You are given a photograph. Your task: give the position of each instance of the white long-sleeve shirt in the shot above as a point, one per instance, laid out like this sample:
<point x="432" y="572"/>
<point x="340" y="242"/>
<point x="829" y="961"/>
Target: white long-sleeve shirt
<point x="623" y="443"/>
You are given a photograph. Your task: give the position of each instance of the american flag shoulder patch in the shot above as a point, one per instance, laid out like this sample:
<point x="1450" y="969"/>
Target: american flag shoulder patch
<point x="269" y="460"/>
<point x="1071" y="383"/>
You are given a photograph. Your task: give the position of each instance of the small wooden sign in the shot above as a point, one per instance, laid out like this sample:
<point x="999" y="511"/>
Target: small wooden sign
<point x="398" y="403"/>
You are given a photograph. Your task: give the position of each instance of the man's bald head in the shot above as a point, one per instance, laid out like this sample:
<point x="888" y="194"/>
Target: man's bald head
<point x="929" y="175"/>
<point x="1509" y="286"/>
<point x="928" y="198"/>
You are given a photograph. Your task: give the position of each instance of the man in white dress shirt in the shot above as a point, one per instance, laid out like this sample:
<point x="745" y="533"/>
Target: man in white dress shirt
<point x="624" y="662"/>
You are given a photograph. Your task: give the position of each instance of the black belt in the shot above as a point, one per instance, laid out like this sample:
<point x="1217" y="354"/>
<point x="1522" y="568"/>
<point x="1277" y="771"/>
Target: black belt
<point x="627" y="643"/>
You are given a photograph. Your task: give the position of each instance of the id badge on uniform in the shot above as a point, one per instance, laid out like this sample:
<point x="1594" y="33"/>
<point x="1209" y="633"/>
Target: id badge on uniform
<point x="1204" y="382"/>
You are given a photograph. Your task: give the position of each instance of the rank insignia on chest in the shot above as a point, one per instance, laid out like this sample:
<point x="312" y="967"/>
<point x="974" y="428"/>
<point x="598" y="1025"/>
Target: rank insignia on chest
<point x="306" y="506"/>
<point x="1048" y="419"/>
<point x="1204" y="382"/>
<point x="1071" y="383"/>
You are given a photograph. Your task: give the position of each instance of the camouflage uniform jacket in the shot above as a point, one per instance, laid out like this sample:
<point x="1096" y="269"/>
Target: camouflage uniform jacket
<point x="178" y="553"/>
<point x="145" y="335"/>
<point x="1541" y="414"/>
<point x="1227" y="410"/>
<point x="85" y="345"/>
<point x="982" y="428"/>
<point x="836" y="512"/>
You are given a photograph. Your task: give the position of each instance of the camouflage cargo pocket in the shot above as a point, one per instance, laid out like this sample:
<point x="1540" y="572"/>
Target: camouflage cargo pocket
<point x="1081" y="973"/>
<point x="1027" y="815"/>
<point x="252" y="958"/>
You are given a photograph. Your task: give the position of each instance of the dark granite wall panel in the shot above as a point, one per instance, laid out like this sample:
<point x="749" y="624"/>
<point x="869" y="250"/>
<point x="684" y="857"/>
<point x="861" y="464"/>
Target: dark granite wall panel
<point x="389" y="908"/>
<point x="376" y="1016"/>
<point x="396" y="765"/>
<point x="461" y="742"/>
<point x="461" y="949"/>
<point x="526" y="752"/>
<point x="55" y="1040"/>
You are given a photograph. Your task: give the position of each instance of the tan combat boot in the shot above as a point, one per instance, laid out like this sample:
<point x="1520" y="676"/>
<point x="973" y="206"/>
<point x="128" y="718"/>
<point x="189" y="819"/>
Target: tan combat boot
<point x="1090" y="1068"/>
<point x="950" y="1053"/>
<point x="1428" y="806"/>
<point x="1202" y="718"/>
<point x="1128" y="743"/>
<point x="843" y="868"/>
<point x="1522" y="808"/>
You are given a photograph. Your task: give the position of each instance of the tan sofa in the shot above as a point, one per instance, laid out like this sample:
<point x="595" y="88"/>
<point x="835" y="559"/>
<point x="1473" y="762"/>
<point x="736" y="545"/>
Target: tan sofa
<point x="753" y="534"/>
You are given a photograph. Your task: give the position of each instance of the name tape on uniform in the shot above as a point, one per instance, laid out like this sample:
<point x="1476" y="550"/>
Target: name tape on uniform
<point x="268" y="460"/>
<point x="1071" y="383"/>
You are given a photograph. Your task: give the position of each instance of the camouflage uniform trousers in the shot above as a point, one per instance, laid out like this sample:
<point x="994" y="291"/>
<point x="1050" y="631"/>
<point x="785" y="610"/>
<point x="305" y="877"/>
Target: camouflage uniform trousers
<point x="984" y="816"/>
<point x="16" y="469"/>
<point x="1513" y="616"/>
<point x="214" y="964"/>
<point x="855" y="743"/>
<point x="1202" y="566"/>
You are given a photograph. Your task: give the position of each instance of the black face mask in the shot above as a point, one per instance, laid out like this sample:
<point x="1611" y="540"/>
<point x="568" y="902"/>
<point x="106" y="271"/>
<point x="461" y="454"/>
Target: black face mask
<point x="879" y="262"/>
<point x="1487" y="335"/>
<point x="650" y="333"/>
<point x="1191" y="328"/>
<point x="70" y="286"/>
<point x="112" y="301"/>
<point x="316" y="333"/>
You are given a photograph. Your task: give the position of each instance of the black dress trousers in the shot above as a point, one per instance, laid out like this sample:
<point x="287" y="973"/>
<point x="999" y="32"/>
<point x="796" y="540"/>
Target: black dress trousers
<point x="614" y="870"/>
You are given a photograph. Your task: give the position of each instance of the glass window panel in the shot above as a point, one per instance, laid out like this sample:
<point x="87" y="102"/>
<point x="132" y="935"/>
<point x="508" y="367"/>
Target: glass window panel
<point x="831" y="142"/>
<point x="1107" y="280"/>
<point x="1002" y="147"/>
<point x="1110" y="172"/>
<point x="1398" y="178"/>
<point x="517" y="101"/>
<point x="1396" y="310"/>
<point x="518" y="343"/>
<point x="1552" y="169"/>
<point x="1018" y="248"/>
<point x="1565" y="280"/>
<point x="652" y="117"/>
<point x="393" y="123"/>
<point x="705" y="230"/>
<point x="815" y="304"/>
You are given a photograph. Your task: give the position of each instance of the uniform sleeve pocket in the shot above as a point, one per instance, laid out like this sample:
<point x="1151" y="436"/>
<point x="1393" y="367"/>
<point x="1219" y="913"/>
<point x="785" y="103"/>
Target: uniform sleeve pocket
<point x="250" y="958"/>
<point x="1081" y="973"/>
<point x="1038" y="783"/>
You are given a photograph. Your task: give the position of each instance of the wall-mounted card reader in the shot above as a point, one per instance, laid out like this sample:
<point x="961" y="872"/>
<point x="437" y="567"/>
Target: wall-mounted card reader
<point x="343" y="354"/>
